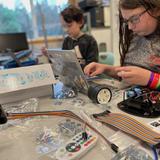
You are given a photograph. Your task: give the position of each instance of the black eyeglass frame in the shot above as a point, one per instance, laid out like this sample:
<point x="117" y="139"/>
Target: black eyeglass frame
<point x="134" y="19"/>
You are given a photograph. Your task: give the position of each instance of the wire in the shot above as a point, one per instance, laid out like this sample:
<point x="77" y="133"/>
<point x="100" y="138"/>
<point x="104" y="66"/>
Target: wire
<point x="154" y="152"/>
<point x="129" y="125"/>
<point x="61" y="113"/>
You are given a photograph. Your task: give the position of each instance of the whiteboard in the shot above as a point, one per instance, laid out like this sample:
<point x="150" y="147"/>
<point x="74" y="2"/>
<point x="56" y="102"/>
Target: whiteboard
<point x="26" y="77"/>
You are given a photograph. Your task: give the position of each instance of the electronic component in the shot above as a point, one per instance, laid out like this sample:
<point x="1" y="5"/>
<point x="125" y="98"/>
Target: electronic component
<point x="141" y="102"/>
<point x="84" y="135"/>
<point x="132" y="152"/>
<point x="77" y="146"/>
<point x="70" y="127"/>
<point x="61" y="113"/>
<point x="135" y="91"/>
<point x="129" y="125"/>
<point x="99" y="93"/>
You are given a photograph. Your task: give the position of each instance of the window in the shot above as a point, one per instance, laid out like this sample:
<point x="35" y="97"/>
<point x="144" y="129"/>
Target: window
<point x="35" y="17"/>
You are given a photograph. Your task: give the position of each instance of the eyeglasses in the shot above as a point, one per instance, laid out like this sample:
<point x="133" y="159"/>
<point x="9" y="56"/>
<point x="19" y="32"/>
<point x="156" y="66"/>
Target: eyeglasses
<point x="134" y="19"/>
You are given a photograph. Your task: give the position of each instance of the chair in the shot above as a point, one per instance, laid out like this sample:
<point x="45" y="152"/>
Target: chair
<point x="106" y="58"/>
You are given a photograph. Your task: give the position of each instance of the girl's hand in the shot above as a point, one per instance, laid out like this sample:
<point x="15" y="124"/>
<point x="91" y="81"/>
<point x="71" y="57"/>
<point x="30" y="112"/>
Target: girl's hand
<point x="94" y="69"/>
<point x="134" y="75"/>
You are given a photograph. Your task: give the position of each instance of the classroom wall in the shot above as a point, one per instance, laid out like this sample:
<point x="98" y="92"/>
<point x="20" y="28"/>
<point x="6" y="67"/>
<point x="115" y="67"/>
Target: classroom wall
<point x="103" y="35"/>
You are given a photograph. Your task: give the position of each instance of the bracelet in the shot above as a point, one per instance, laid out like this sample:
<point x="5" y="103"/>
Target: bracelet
<point x="158" y="88"/>
<point x="158" y="84"/>
<point x="150" y="79"/>
<point x="155" y="80"/>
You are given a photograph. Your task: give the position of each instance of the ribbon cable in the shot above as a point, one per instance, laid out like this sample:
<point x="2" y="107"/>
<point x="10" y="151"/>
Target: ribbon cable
<point x="130" y="126"/>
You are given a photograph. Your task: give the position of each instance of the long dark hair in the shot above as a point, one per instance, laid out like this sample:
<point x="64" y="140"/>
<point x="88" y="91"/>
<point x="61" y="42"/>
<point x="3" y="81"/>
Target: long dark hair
<point x="126" y="35"/>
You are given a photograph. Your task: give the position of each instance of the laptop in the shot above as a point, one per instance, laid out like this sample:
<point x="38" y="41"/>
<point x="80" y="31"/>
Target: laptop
<point x="66" y="67"/>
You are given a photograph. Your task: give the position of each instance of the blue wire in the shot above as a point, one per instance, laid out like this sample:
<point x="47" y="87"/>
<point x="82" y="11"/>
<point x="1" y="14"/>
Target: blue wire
<point x="154" y="152"/>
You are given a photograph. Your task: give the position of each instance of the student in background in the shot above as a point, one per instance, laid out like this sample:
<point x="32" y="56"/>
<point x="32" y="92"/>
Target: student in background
<point x="85" y="45"/>
<point x="139" y="32"/>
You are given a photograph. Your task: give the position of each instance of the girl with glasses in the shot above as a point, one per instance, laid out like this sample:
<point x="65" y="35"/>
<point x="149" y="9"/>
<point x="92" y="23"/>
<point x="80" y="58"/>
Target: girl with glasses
<point x="139" y="45"/>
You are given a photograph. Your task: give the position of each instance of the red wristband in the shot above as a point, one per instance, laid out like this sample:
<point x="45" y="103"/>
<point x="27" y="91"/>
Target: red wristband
<point x="158" y="84"/>
<point x="154" y="81"/>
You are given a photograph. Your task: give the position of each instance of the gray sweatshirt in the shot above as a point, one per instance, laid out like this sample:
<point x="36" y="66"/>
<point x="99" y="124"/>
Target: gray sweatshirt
<point x="145" y="52"/>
